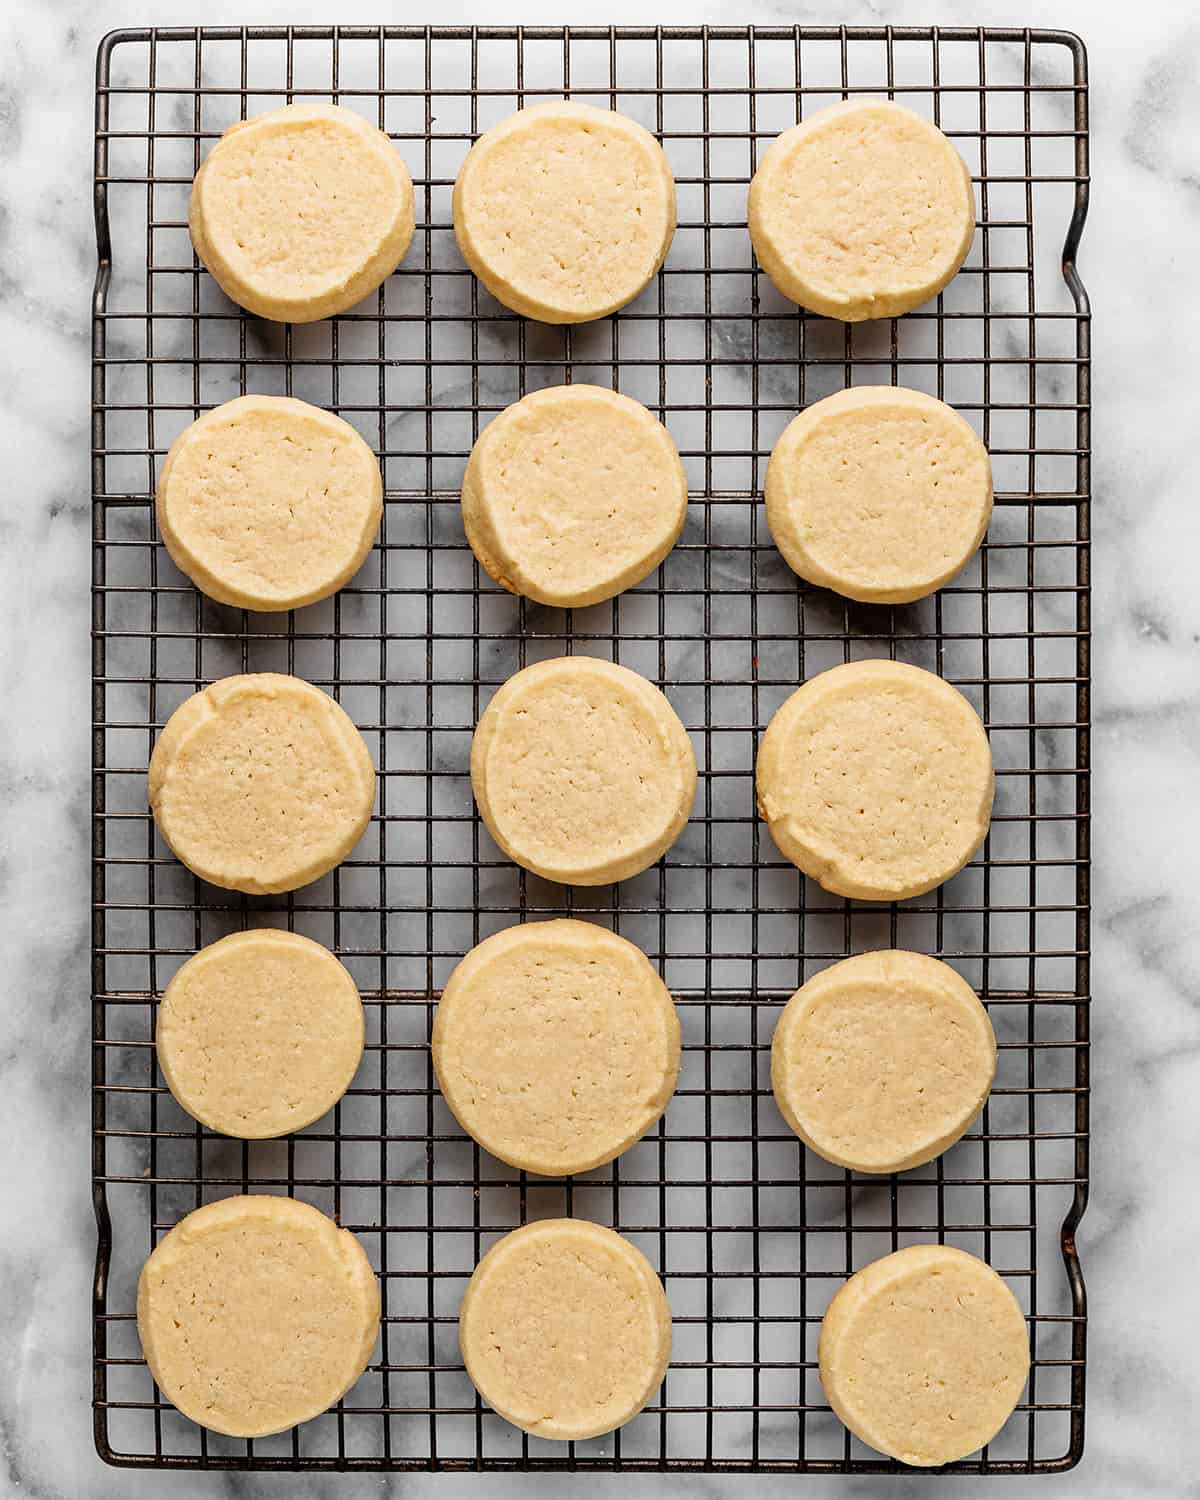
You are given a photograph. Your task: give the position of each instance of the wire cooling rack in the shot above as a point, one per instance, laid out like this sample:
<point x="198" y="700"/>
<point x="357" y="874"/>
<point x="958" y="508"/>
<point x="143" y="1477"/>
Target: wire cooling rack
<point x="751" y="1234"/>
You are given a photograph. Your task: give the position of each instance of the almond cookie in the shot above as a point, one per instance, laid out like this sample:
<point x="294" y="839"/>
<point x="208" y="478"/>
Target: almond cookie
<point x="882" y="1061"/>
<point x="268" y="503"/>
<point x="582" y="771"/>
<point x="565" y="1329"/>
<point x="261" y="783"/>
<point x="256" y="1313"/>
<point x="300" y="212"/>
<point x="259" y="1034"/>
<point x="924" y="1354"/>
<point x="865" y="210"/>
<point x="880" y="493"/>
<point x="564" y="211"/>
<point x="876" y="779"/>
<point x="556" y="1045"/>
<point x="573" y="494"/>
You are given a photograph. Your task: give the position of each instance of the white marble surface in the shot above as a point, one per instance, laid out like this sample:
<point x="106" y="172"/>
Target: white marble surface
<point x="1141" y="1238"/>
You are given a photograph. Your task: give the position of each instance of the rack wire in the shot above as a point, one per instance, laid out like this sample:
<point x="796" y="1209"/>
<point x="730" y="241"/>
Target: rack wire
<point x="751" y="1235"/>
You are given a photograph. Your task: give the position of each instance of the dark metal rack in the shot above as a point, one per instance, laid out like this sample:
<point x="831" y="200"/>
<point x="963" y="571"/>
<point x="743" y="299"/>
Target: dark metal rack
<point x="751" y="1234"/>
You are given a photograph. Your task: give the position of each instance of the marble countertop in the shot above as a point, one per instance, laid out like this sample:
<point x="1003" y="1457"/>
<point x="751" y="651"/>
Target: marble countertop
<point x="1141" y="1238"/>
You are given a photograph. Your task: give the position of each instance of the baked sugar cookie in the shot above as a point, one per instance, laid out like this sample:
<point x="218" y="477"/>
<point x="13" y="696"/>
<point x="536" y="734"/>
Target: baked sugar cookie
<point x="924" y="1354"/>
<point x="863" y="211"/>
<point x="876" y="779"/>
<point x="259" y="1034"/>
<point x="880" y="493"/>
<point x="565" y="1329"/>
<point x="257" y="1313"/>
<point x="573" y="494"/>
<point x="564" y="211"/>
<point x="582" y="771"/>
<point x="268" y="503"/>
<point x="299" y="213"/>
<point x="261" y="783"/>
<point x="556" y="1045"/>
<point x="882" y="1061"/>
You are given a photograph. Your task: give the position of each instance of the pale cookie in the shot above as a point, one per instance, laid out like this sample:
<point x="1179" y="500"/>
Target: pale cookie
<point x="259" y="1034"/>
<point x="876" y="779"/>
<point x="565" y="1329"/>
<point x="564" y="211"/>
<point x="261" y="783"/>
<point x="268" y="503"/>
<point x="882" y="1061"/>
<point x="572" y="495"/>
<point x="863" y="211"/>
<point x="924" y="1354"/>
<point x="556" y="1045"/>
<point x="880" y="493"/>
<point x="257" y="1313"/>
<point x="582" y="771"/>
<point x="299" y="213"/>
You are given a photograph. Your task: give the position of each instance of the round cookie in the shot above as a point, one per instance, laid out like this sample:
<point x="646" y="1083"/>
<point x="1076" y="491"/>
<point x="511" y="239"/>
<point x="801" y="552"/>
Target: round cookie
<point x="582" y="771"/>
<point x="865" y="210"/>
<point x="924" y="1354"/>
<point x="556" y="1045"/>
<point x="300" y="212"/>
<point x="268" y="503"/>
<point x="876" y="779"/>
<point x="565" y="211"/>
<point x="565" y="1329"/>
<point x="259" y="1034"/>
<point x="261" y="783"/>
<point x="882" y="1061"/>
<point x="257" y="1313"/>
<point x="880" y="493"/>
<point x="573" y="494"/>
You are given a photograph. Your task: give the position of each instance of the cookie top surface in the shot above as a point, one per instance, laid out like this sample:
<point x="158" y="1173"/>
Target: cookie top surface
<point x="256" y="1313"/>
<point x="268" y="503"/>
<point x="300" y="212"/>
<point x="878" y="492"/>
<point x="565" y="1329"/>
<point x="556" y="1045"/>
<point x="565" y="211"/>
<point x="582" y="770"/>
<point x="573" y="494"/>
<point x="882" y="1061"/>
<point x="876" y="779"/>
<point x="864" y="210"/>
<point x="260" y="1033"/>
<point x="924" y="1354"/>
<point x="261" y="783"/>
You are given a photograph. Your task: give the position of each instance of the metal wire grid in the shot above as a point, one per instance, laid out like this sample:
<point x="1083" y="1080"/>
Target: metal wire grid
<point x="751" y="1235"/>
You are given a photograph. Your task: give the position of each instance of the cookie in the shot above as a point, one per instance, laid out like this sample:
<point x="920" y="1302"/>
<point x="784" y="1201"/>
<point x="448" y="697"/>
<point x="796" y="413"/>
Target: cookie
<point x="880" y="493"/>
<point x="573" y="494"/>
<point x="556" y="1045"/>
<point x="268" y="503"/>
<point x="924" y="1354"/>
<point x="582" y="771"/>
<point x="301" y="212"/>
<point x="865" y="210"/>
<point x="565" y="1329"/>
<point x="565" y="212"/>
<point x="876" y="779"/>
<point x="261" y="783"/>
<point x="882" y="1061"/>
<point x="256" y="1313"/>
<point x="259" y="1034"/>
